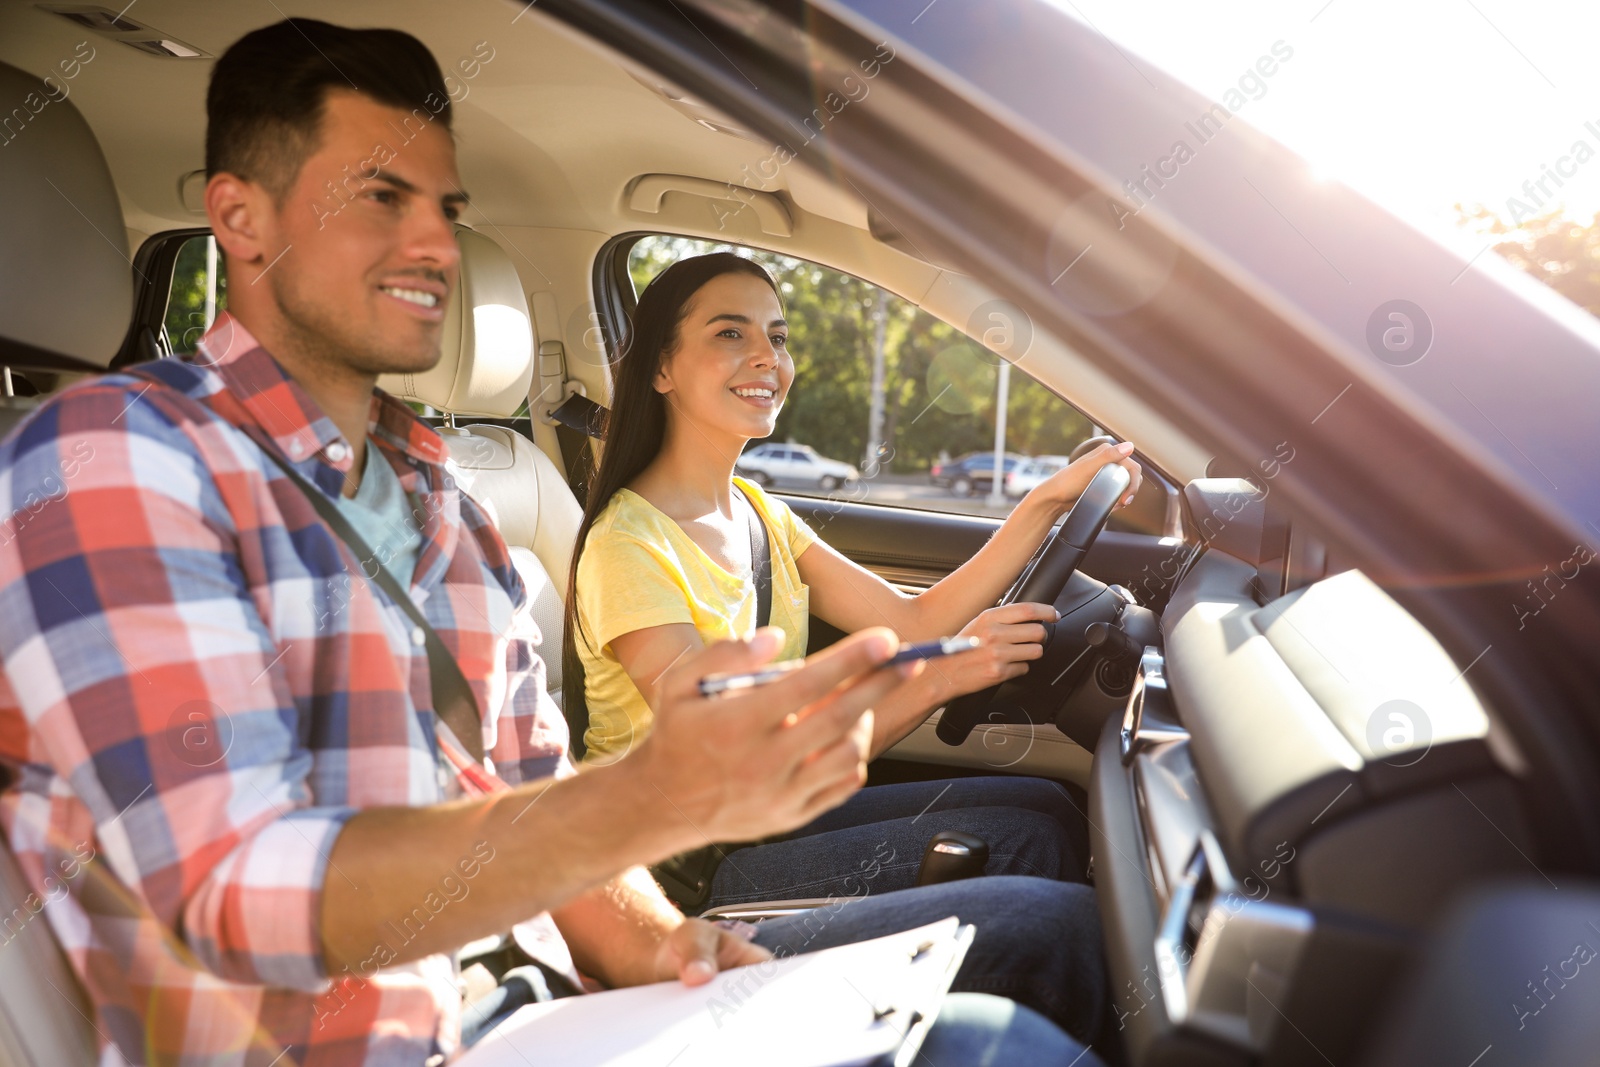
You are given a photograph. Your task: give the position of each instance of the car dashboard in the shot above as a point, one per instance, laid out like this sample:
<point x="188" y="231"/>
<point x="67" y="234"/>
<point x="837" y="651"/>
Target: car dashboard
<point x="1300" y="779"/>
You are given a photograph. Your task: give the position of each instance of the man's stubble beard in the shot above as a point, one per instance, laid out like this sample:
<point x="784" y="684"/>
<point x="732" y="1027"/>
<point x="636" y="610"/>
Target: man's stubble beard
<point x="326" y="337"/>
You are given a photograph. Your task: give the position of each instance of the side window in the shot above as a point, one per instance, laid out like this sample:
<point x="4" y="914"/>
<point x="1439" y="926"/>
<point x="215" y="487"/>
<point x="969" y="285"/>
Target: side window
<point x="199" y="292"/>
<point x="921" y="433"/>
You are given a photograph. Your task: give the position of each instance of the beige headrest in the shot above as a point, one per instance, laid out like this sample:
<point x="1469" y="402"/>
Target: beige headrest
<point x="487" y="361"/>
<point x="66" y="284"/>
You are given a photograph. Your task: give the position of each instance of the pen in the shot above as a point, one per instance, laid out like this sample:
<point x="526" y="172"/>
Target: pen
<point x="715" y="684"/>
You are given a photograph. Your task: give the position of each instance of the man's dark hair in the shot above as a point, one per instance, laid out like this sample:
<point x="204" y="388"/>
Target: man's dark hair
<point x="265" y="105"/>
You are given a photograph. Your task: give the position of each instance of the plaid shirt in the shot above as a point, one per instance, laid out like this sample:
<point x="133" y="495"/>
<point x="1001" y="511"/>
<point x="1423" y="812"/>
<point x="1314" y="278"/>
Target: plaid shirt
<point x="196" y="697"/>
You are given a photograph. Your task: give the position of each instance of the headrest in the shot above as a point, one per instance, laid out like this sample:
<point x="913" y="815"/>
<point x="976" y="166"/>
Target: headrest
<point x="486" y="365"/>
<point x="66" y="284"/>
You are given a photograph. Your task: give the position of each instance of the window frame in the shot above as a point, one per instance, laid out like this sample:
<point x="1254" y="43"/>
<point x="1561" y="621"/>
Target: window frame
<point x="153" y="265"/>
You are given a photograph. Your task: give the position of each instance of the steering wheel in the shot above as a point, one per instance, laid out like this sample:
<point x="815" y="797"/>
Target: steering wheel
<point x="1052" y="565"/>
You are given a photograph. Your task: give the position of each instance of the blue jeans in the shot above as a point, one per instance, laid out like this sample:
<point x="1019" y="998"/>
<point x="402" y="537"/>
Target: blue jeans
<point x="974" y="1030"/>
<point x="1037" y="942"/>
<point x="873" y="843"/>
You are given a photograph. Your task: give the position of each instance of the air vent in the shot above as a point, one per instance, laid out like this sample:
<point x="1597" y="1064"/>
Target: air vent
<point x="112" y="24"/>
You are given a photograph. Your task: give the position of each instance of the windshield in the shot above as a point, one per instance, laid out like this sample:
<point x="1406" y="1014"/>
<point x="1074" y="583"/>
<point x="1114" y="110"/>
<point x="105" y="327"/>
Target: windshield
<point x="1484" y="137"/>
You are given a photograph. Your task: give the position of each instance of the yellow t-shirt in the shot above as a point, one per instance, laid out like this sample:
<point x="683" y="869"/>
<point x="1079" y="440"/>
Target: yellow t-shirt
<point x="639" y="569"/>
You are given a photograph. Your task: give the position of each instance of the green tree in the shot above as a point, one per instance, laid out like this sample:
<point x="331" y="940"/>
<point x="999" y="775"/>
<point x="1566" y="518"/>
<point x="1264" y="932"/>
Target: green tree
<point x="186" y="319"/>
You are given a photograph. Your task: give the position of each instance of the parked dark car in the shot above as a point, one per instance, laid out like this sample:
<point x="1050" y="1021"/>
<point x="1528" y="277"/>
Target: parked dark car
<point x="973" y="472"/>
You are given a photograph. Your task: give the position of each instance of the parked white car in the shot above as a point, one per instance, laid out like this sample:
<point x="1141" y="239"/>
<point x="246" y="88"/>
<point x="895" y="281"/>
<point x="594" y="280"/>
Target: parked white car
<point x="1031" y="472"/>
<point x="771" y="462"/>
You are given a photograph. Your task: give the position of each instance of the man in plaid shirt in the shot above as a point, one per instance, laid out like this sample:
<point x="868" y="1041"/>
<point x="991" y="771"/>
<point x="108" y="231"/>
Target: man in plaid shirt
<point x="252" y="834"/>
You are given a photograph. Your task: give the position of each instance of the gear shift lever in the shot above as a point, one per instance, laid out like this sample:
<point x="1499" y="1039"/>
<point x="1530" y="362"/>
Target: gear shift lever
<point x="951" y="856"/>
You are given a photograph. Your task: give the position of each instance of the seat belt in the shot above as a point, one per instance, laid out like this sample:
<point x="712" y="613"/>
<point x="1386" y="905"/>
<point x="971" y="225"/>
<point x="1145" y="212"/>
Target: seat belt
<point x="574" y="451"/>
<point x="577" y="418"/>
<point x="760" y="562"/>
<point x="582" y="415"/>
<point x="453" y="701"/>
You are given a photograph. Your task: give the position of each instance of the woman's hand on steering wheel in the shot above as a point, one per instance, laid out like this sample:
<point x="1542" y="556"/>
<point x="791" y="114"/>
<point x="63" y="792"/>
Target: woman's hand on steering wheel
<point x="1067" y="484"/>
<point x="1012" y="635"/>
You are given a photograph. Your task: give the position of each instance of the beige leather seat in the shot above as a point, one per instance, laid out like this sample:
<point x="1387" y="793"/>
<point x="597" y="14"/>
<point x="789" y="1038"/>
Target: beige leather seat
<point x="486" y="370"/>
<point x="66" y="289"/>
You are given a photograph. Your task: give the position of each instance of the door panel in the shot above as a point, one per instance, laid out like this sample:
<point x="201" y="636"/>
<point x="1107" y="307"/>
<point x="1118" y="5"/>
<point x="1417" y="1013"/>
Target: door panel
<point x="919" y="547"/>
<point x="912" y="550"/>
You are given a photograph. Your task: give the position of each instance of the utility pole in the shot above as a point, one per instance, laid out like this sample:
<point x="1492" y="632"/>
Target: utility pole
<point x="869" y="462"/>
<point x="997" y="486"/>
<point x="211" y="281"/>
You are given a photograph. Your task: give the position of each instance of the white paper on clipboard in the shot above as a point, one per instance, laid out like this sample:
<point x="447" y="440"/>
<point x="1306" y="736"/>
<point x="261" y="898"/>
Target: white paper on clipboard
<point x="867" y="1003"/>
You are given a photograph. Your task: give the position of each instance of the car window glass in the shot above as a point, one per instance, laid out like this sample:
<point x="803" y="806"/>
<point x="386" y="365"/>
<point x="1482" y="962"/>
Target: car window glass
<point x="925" y="436"/>
<point x="199" y="292"/>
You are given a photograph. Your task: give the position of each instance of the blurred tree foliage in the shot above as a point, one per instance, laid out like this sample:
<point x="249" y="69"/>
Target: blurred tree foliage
<point x="939" y="385"/>
<point x="186" y="310"/>
<point x="1555" y="248"/>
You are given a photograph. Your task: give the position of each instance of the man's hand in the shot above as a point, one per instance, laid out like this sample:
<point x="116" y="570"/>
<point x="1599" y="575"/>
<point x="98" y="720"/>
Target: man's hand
<point x="769" y="759"/>
<point x="697" y="950"/>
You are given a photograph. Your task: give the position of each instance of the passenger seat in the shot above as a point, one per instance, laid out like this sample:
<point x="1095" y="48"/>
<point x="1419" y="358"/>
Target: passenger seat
<point x="486" y="370"/>
<point x="66" y="297"/>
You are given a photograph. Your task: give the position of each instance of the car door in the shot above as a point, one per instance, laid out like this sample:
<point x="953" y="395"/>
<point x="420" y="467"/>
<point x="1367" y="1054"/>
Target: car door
<point x="1246" y="346"/>
<point x="766" y="459"/>
<point x="804" y="466"/>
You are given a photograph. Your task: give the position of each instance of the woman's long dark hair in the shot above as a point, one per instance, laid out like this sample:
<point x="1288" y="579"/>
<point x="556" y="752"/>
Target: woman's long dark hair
<point x="635" y="428"/>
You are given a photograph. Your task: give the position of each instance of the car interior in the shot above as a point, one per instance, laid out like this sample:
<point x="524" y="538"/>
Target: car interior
<point x="1286" y="775"/>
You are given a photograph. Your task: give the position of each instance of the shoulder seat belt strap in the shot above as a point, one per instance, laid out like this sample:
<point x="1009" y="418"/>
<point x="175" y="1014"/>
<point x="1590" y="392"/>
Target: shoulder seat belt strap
<point x="760" y="563"/>
<point x="453" y="701"/>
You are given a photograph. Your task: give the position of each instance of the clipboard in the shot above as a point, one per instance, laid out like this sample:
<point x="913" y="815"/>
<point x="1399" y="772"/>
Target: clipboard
<point x="870" y="1004"/>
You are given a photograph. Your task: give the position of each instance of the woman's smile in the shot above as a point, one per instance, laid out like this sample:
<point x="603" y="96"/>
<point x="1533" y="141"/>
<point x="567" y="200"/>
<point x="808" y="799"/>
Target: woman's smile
<point x="763" y="395"/>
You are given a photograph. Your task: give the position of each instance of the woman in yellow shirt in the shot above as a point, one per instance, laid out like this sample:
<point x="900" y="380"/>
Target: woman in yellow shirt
<point x="663" y="566"/>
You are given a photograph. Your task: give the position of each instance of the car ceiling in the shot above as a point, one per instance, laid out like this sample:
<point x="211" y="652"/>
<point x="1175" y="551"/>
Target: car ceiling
<point x="551" y="133"/>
